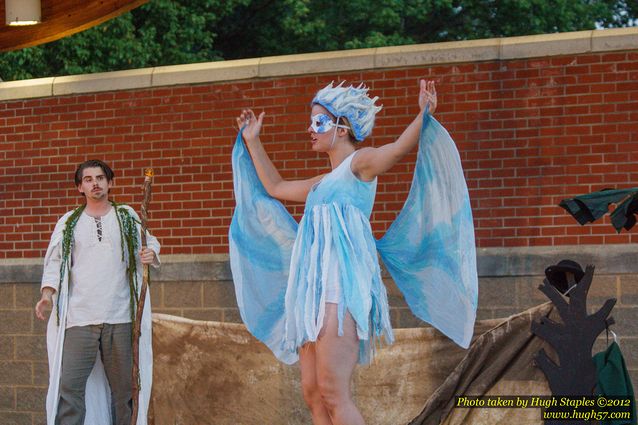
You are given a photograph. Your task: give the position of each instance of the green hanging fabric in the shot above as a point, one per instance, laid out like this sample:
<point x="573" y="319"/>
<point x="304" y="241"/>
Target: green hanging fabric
<point x="590" y="207"/>
<point x="614" y="380"/>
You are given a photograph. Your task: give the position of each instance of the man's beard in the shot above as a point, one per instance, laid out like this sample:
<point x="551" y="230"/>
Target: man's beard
<point x="98" y="194"/>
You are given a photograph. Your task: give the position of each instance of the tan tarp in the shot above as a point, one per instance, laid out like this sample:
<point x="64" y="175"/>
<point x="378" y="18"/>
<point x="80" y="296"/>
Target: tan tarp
<point x="217" y="373"/>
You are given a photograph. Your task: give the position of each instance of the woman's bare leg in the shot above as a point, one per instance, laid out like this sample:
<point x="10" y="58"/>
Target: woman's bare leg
<point x="336" y="357"/>
<point x="311" y="395"/>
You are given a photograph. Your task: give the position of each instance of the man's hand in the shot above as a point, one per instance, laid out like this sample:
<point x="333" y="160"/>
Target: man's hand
<point x="45" y="303"/>
<point x="147" y="256"/>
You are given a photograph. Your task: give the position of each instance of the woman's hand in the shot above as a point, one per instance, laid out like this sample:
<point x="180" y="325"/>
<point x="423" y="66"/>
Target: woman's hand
<point x="427" y="96"/>
<point x="251" y="124"/>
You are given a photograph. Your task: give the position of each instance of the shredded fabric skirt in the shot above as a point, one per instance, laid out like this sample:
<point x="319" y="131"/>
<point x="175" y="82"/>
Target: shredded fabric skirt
<point x="329" y="235"/>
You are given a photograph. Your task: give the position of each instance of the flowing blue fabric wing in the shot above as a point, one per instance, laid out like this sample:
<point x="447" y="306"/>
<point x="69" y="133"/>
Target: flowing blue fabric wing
<point x="429" y="249"/>
<point x="261" y="236"/>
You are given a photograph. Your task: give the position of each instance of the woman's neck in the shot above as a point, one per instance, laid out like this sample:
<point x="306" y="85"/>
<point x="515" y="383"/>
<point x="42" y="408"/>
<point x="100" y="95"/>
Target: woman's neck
<point x="339" y="153"/>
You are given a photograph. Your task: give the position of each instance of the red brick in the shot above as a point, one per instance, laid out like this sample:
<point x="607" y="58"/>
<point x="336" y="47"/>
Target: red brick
<point x="523" y="128"/>
<point x="582" y="59"/>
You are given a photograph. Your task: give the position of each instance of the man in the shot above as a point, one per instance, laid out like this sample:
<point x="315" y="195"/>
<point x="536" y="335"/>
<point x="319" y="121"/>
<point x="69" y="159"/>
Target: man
<point x="92" y="275"/>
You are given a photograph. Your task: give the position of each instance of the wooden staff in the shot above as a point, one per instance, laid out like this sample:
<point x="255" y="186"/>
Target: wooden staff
<point x="135" y="394"/>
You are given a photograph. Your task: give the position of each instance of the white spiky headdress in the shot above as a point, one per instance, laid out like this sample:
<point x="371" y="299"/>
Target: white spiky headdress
<point x="352" y="103"/>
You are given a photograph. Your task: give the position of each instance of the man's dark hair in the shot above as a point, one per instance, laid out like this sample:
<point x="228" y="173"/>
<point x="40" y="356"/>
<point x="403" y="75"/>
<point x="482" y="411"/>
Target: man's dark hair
<point x="91" y="163"/>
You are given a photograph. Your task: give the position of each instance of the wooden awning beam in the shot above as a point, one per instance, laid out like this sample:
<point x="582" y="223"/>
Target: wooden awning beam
<point x="61" y="18"/>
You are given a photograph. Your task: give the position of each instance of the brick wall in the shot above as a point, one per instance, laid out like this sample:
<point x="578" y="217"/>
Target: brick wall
<point x="530" y="132"/>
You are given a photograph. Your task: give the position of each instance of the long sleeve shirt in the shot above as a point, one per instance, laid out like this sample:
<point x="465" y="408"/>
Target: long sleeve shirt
<point x="99" y="288"/>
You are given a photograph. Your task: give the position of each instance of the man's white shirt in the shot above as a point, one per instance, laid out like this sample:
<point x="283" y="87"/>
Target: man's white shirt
<point x="99" y="289"/>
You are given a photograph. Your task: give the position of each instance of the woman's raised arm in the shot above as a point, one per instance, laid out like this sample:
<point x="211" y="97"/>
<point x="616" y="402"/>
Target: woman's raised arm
<point x="371" y="162"/>
<point x="275" y="185"/>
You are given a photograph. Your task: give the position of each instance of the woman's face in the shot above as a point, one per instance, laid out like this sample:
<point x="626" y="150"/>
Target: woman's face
<point x="321" y="135"/>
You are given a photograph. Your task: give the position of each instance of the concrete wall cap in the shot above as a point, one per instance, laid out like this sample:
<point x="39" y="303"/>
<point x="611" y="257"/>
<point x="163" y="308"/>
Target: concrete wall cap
<point x="510" y="48"/>
<point x="545" y="45"/>
<point x="314" y="63"/>
<point x="102" y="81"/>
<point x="205" y="72"/>
<point x="446" y="52"/>
<point x="26" y="89"/>
<point x="614" y="39"/>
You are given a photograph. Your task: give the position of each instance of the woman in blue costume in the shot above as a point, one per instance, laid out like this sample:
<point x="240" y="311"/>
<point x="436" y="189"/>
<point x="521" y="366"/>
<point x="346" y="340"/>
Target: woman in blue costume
<point x="313" y="292"/>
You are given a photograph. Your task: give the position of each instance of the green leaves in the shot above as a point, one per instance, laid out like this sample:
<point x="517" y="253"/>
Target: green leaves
<point x="167" y="32"/>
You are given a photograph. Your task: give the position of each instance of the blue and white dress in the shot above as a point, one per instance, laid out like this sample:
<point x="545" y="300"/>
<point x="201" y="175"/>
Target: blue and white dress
<point x="285" y="273"/>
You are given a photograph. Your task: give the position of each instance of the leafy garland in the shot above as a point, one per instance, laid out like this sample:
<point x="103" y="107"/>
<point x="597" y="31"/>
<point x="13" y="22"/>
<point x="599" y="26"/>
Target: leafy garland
<point x="129" y="240"/>
<point x="67" y="245"/>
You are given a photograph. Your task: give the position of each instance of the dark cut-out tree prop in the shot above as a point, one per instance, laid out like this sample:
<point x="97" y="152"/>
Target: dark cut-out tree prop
<point x="572" y="338"/>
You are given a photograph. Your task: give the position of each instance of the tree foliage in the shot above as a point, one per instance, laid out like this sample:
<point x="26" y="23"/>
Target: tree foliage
<point x="167" y="32"/>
